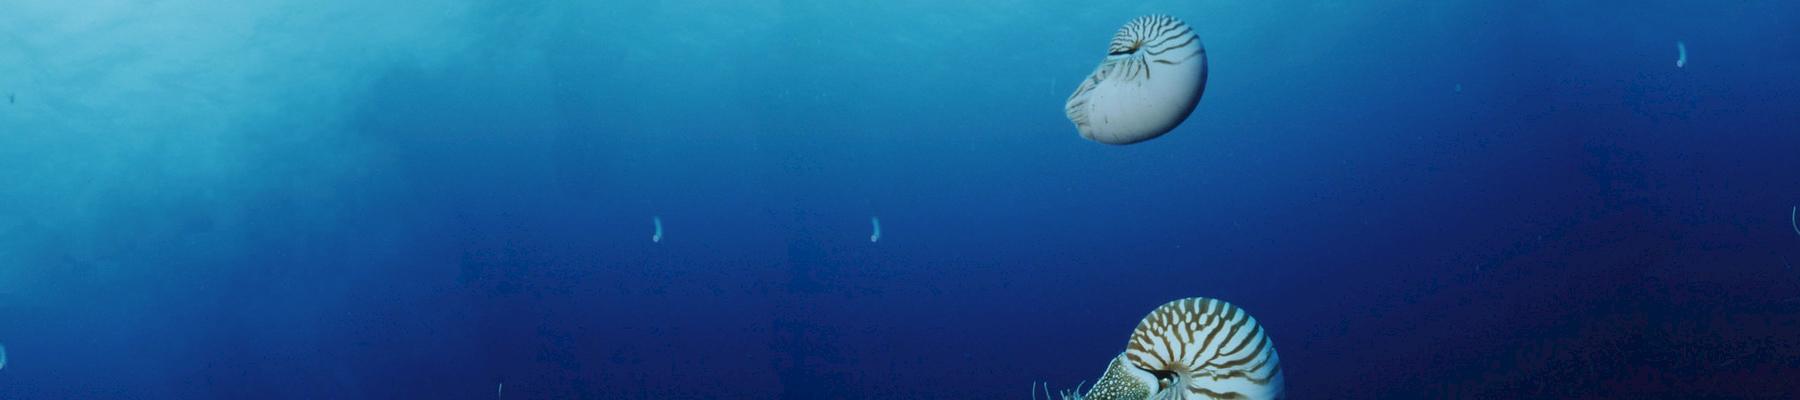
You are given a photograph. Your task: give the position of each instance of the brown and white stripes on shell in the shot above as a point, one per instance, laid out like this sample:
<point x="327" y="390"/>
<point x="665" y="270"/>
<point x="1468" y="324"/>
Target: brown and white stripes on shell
<point x="1151" y="38"/>
<point x="1202" y="348"/>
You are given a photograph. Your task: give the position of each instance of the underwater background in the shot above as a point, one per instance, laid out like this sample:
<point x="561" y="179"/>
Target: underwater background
<point x="431" y="199"/>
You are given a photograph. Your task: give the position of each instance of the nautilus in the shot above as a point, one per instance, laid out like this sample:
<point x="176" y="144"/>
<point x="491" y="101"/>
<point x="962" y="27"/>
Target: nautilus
<point x="1149" y="82"/>
<point x="1194" y="348"/>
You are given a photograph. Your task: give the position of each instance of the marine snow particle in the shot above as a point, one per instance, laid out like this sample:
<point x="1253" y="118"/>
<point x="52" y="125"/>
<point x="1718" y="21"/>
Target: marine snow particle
<point x="1680" y="54"/>
<point x="656" y="237"/>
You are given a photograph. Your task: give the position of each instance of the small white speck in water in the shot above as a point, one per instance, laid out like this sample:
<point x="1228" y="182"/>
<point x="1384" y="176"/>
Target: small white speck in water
<point x="1680" y="54"/>
<point x="656" y="237"/>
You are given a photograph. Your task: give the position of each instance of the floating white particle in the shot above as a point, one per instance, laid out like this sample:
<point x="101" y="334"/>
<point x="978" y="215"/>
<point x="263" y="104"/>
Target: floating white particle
<point x="1680" y="54"/>
<point x="876" y="222"/>
<point x="657" y="237"/>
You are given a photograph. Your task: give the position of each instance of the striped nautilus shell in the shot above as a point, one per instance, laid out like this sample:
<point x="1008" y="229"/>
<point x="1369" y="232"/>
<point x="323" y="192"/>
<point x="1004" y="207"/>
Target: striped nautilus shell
<point x="1149" y="82"/>
<point x="1194" y="348"/>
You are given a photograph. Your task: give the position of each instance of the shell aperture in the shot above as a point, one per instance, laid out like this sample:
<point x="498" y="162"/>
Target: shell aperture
<point x="1150" y="80"/>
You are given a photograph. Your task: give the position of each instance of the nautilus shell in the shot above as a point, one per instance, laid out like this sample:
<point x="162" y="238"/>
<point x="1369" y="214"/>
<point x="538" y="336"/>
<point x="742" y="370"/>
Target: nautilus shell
<point x="1149" y="82"/>
<point x="1194" y="348"/>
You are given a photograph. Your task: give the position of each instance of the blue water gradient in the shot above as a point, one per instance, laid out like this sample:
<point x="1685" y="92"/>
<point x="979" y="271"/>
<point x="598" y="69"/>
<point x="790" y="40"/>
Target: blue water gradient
<point x="428" y="199"/>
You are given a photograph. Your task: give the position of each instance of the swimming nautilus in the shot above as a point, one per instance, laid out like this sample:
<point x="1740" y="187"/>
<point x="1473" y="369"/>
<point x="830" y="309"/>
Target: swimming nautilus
<point x="1194" y="348"/>
<point x="1149" y="82"/>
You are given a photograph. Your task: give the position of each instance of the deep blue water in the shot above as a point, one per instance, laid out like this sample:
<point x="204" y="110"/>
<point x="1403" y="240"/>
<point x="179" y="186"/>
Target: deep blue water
<point x="323" y="200"/>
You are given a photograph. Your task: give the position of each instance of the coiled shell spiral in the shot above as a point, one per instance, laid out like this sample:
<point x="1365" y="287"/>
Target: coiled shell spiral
<point x="1194" y="348"/>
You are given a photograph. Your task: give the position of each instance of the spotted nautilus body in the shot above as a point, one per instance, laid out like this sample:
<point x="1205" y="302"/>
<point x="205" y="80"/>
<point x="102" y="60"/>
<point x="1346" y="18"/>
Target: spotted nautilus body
<point x="1194" y="348"/>
<point x="1149" y="82"/>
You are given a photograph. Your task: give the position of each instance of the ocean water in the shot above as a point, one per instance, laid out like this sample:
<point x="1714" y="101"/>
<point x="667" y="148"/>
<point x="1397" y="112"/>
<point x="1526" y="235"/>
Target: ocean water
<point x="456" y="199"/>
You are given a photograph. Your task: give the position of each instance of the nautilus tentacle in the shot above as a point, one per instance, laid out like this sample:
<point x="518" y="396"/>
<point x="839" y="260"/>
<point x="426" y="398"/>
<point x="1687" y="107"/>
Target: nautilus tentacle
<point x="1195" y="348"/>
<point x="1151" y="79"/>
